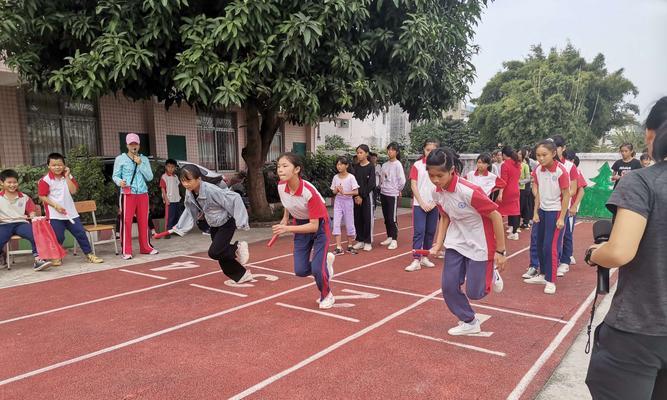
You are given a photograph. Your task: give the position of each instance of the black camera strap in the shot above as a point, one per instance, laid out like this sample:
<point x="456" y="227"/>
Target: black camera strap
<point x="587" y="349"/>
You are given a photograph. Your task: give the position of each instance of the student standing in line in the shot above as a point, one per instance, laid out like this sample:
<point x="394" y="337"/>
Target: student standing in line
<point x="344" y="186"/>
<point x="645" y="160"/>
<point x="561" y="148"/>
<point x="472" y="231"/>
<point x="378" y="173"/>
<point x="364" y="172"/>
<point x="171" y="195"/>
<point x="224" y="212"/>
<point x="55" y="191"/>
<point x="424" y="213"/>
<point x="483" y="177"/>
<point x="311" y="232"/>
<point x="551" y="203"/>
<point x="567" y="257"/>
<point x="525" y="193"/>
<point x="627" y="163"/>
<point x="508" y="197"/>
<point x="392" y="182"/>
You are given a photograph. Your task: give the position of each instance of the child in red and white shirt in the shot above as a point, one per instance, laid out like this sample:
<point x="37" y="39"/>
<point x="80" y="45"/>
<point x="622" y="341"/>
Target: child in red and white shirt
<point x="472" y="231"/>
<point x="55" y="192"/>
<point x="171" y="195"/>
<point x="551" y="204"/>
<point x="311" y="232"/>
<point x="483" y="177"/>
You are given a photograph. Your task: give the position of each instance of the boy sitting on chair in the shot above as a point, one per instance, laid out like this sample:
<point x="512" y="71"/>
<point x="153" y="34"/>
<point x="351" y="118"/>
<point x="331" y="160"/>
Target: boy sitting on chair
<point x="55" y="191"/>
<point x="15" y="208"/>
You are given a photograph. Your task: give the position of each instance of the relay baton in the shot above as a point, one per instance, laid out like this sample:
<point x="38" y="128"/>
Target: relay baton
<point x="161" y="235"/>
<point x="421" y="252"/>
<point x="272" y="241"/>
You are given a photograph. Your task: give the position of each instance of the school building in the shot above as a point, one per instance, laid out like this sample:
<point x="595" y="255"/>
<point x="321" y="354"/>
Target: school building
<point x="32" y="125"/>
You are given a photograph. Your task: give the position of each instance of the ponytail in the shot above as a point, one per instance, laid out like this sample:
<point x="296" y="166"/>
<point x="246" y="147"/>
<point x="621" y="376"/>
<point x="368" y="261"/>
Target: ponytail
<point x="446" y="159"/>
<point x="508" y="151"/>
<point x="660" y="143"/>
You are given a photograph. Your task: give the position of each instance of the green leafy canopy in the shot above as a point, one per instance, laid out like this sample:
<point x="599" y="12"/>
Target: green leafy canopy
<point x="560" y="93"/>
<point x="305" y="58"/>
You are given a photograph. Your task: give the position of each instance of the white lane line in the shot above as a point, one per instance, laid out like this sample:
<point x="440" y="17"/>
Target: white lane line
<point x="463" y="345"/>
<point x="523" y="314"/>
<point x="115" y="296"/>
<point x="251" y="266"/>
<point x="167" y="330"/>
<point x="310" y="310"/>
<point x="331" y="245"/>
<point x="146" y="337"/>
<point x="499" y="309"/>
<point x="142" y="274"/>
<point x="331" y="348"/>
<point x="218" y="290"/>
<point x="523" y="384"/>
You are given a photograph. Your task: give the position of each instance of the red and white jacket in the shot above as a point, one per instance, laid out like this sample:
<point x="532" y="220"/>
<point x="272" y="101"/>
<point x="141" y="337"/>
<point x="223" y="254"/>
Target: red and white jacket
<point x="489" y="182"/>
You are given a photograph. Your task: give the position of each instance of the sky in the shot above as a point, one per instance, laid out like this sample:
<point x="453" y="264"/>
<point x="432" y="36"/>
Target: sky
<point x="631" y="34"/>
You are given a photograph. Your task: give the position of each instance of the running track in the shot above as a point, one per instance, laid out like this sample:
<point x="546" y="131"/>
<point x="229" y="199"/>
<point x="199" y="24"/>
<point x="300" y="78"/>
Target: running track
<point x="173" y="329"/>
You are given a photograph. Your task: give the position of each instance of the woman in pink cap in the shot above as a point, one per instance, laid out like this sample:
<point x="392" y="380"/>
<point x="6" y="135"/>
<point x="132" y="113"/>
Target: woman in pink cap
<point x="132" y="172"/>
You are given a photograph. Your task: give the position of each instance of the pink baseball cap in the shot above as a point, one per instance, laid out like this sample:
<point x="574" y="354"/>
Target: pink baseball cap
<point x="132" y="138"/>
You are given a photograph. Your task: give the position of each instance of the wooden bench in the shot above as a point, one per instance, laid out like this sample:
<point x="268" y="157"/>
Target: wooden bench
<point x="89" y="206"/>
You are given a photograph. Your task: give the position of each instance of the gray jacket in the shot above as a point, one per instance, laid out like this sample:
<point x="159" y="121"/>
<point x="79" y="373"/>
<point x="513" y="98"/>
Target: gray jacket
<point x="216" y="204"/>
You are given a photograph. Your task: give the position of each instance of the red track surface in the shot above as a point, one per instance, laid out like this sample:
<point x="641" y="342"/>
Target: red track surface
<point x="142" y="337"/>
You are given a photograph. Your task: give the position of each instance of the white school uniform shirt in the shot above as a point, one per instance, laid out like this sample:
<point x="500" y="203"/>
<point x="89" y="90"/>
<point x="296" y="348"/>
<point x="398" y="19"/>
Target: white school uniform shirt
<point x="425" y="187"/>
<point x="305" y="203"/>
<point x="487" y="182"/>
<point x="470" y="230"/>
<point x="170" y="184"/>
<point x="550" y="182"/>
<point x="56" y="189"/>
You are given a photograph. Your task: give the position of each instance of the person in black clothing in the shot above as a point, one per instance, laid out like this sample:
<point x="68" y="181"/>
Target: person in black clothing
<point x="629" y="359"/>
<point x="364" y="172"/>
<point x="627" y="163"/>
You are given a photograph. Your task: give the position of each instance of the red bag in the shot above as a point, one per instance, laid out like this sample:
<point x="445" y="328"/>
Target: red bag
<point x="48" y="247"/>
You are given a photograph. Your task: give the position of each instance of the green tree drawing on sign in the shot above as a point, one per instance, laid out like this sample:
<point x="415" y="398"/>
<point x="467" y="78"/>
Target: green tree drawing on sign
<point x="595" y="199"/>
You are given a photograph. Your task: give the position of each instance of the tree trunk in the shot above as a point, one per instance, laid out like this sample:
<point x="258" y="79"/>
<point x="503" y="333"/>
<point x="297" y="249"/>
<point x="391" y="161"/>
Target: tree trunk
<point x="254" y="154"/>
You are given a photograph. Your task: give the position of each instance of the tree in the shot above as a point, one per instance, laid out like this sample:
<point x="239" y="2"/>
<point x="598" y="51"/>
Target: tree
<point x="449" y="132"/>
<point x="288" y="60"/>
<point x="560" y="93"/>
<point x="595" y="197"/>
<point x="633" y="135"/>
<point x="334" y="142"/>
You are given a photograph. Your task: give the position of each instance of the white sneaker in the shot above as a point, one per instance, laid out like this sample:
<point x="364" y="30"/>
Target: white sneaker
<point x="154" y="252"/>
<point x="550" y="288"/>
<point x="441" y="255"/>
<point x="328" y="301"/>
<point x="368" y="247"/>
<point x="415" y="265"/>
<point x="509" y="229"/>
<point x="393" y="245"/>
<point x="531" y="272"/>
<point x="497" y="281"/>
<point x="425" y="262"/>
<point x="537" y="280"/>
<point x="513" y="236"/>
<point x="126" y="256"/>
<point x="464" y="328"/>
<point x="247" y="277"/>
<point x="386" y="242"/>
<point x="562" y="269"/>
<point x="572" y="260"/>
<point x="242" y="253"/>
<point x="331" y="257"/>
<point x="358" y="246"/>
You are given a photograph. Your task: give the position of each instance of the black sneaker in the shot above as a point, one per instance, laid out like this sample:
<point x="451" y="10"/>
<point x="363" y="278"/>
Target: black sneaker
<point x="351" y="250"/>
<point x="338" y="251"/>
<point x="41" y="265"/>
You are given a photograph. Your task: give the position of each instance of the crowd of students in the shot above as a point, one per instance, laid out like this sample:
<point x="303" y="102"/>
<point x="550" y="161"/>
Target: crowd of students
<point x="536" y="189"/>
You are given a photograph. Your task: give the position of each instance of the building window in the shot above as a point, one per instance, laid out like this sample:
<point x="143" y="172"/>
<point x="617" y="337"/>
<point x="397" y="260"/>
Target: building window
<point x="59" y="124"/>
<point x="276" y="148"/>
<point x="218" y="140"/>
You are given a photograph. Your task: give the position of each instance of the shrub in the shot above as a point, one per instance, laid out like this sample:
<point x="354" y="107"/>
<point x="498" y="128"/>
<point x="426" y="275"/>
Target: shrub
<point x="89" y="173"/>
